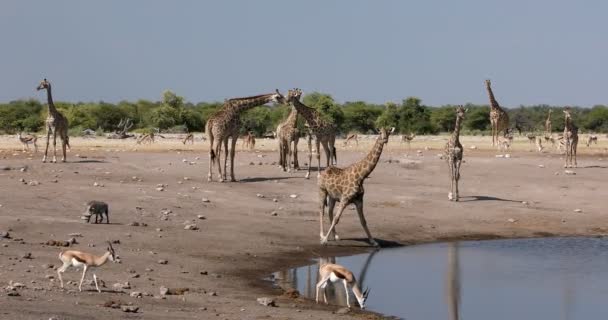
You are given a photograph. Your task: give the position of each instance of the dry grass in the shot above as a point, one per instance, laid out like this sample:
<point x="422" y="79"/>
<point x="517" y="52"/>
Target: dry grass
<point x="173" y="142"/>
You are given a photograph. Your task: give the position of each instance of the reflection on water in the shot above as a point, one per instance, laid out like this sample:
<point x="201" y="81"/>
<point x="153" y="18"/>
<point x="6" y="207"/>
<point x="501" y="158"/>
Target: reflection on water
<point x="553" y="278"/>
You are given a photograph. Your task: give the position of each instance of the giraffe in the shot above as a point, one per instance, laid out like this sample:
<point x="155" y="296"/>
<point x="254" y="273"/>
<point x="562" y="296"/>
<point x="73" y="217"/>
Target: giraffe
<point x="499" y="119"/>
<point x="224" y="125"/>
<point x="323" y="131"/>
<point x="346" y="186"/>
<point x="287" y="132"/>
<point x="570" y="139"/>
<point x="453" y="154"/>
<point x="548" y="128"/>
<point x="56" y="123"/>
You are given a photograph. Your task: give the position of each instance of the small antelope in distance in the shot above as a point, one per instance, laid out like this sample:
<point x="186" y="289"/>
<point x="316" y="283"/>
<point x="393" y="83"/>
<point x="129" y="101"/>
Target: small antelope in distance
<point x="26" y="140"/>
<point x="352" y="136"/>
<point x="408" y="138"/>
<point x="249" y="140"/>
<point x="189" y="137"/>
<point x="591" y="140"/>
<point x="86" y="260"/>
<point x="330" y="272"/>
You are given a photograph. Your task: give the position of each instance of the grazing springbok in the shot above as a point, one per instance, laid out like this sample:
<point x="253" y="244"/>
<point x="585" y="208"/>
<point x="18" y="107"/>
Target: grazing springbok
<point x="189" y="137"/>
<point x="591" y="140"/>
<point x="86" y="260"/>
<point x="26" y="140"/>
<point x="333" y="273"/>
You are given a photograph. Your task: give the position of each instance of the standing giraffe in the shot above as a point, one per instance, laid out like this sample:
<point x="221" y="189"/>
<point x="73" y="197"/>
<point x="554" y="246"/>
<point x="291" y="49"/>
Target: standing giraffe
<point x="56" y="123"/>
<point x="323" y="131"/>
<point x="570" y="139"/>
<point x="548" y="127"/>
<point x="499" y="119"/>
<point x="453" y="154"/>
<point x="346" y="186"/>
<point x="287" y="132"/>
<point x="224" y="124"/>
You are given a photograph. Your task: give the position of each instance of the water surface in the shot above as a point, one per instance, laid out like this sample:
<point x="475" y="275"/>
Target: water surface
<point x="549" y="278"/>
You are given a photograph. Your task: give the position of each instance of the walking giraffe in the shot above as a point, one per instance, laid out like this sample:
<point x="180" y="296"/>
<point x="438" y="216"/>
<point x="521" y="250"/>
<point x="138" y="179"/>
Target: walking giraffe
<point x="224" y="124"/>
<point x="323" y="131"/>
<point x="56" y="123"/>
<point x="453" y="154"/>
<point x="499" y="119"/>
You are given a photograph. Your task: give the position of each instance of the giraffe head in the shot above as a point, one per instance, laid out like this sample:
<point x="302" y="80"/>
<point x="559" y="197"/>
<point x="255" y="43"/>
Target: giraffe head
<point x="44" y="84"/>
<point x="488" y="83"/>
<point x="385" y="133"/>
<point x="567" y="111"/>
<point x="294" y="94"/>
<point x="460" y="111"/>
<point x="278" y="97"/>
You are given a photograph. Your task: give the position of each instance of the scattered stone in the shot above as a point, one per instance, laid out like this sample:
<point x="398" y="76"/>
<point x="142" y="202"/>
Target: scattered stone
<point x="201" y="217"/>
<point x="291" y="293"/>
<point x="204" y="273"/>
<point x="33" y="183"/>
<point x="136" y="294"/>
<point x="212" y="294"/>
<point x="541" y="165"/>
<point x="13" y="294"/>
<point x="206" y="200"/>
<point x="121" y="286"/>
<point x="524" y="202"/>
<point x="164" y="290"/>
<point x="57" y="243"/>
<point x="133" y="224"/>
<point x="500" y="156"/>
<point x="473" y="147"/>
<point x="343" y="310"/>
<point x="512" y="220"/>
<point x="259" y="195"/>
<point x="293" y="196"/>
<point x="131" y="309"/>
<point x="507" y="155"/>
<point x="4" y="234"/>
<point x="75" y="234"/>
<point x="162" y="261"/>
<point x="275" y="200"/>
<point x="578" y="210"/>
<point x="48" y="266"/>
<point x="267" y="302"/>
<point x="569" y="172"/>
<point x="27" y="255"/>
<point x="190" y="227"/>
<point x="274" y="213"/>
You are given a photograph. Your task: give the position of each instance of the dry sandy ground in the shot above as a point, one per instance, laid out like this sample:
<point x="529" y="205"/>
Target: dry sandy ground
<point x="241" y="241"/>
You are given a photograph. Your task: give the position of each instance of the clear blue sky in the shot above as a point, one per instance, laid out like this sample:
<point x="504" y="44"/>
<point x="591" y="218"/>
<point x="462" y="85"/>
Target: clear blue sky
<point x="541" y="51"/>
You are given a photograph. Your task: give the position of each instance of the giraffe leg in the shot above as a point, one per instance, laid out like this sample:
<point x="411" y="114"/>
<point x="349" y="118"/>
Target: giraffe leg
<point x="296" y="164"/>
<point x="359" y="205"/>
<point x="63" y="146"/>
<point x="341" y="207"/>
<point x="218" y="150"/>
<point x="46" y="151"/>
<point x="289" y="155"/>
<point x="318" y="151"/>
<point x="328" y="153"/>
<point x="232" y="152"/>
<point x="451" y="165"/>
<point x="212" y="156"/>
<point x="332" y="150"/>
<point x="226" y="158"/>
<point x="309" y="139"/>
<point x="331" y="204"/>
<point x="574" y="147"/>
<point x="457" y="178"/>
<point x="322" y="203"/>
<point x="55" y="146"/>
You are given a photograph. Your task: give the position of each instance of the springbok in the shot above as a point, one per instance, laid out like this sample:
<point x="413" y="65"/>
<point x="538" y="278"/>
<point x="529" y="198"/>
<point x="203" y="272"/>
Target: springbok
<point x="333" y="273"/>
<point x="86" y="260"/>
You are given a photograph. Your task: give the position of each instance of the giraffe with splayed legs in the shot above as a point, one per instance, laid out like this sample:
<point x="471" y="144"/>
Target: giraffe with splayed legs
<point x="453" y="154"/>
<point x="570" y="139"/>
<point x="346" y="186"/>
<point x="56" y="123"/>
<point x="499" y="119"/>
<point x="323" y="131"/>
<point x="224" y="125"/>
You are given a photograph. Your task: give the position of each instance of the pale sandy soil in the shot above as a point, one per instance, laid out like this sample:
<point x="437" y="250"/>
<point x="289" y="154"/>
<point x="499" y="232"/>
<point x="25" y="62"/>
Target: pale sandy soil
<point x="240" y="242"/>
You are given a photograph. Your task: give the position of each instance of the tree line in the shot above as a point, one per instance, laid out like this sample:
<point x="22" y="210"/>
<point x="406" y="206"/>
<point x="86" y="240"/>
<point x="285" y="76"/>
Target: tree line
<point x="173" y="114"/>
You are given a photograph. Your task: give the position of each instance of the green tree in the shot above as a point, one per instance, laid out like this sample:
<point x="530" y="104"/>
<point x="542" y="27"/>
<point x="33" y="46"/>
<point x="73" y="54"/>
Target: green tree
<point x="326" y="106"/>
<point x="389" y="117"/>
<point x="360" y="117"/>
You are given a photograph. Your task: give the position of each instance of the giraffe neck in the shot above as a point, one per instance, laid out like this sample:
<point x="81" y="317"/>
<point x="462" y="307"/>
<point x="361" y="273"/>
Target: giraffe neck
<point x="241" y="104"/>
<point x="493" y="102"/>
<point x="369" y="162"/>
<point x="456" y="133"/>
<point x="49" y="98"/>
<point x="292" y="119"/>
<point x="307" y="112"/>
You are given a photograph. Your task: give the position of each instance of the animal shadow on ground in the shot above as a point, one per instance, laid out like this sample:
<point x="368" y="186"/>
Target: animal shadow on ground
<point x="484" y="198"/>
<point x="593" y="167"/>
<point x="89" y="161"/>
<point x="261" y="179"/>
